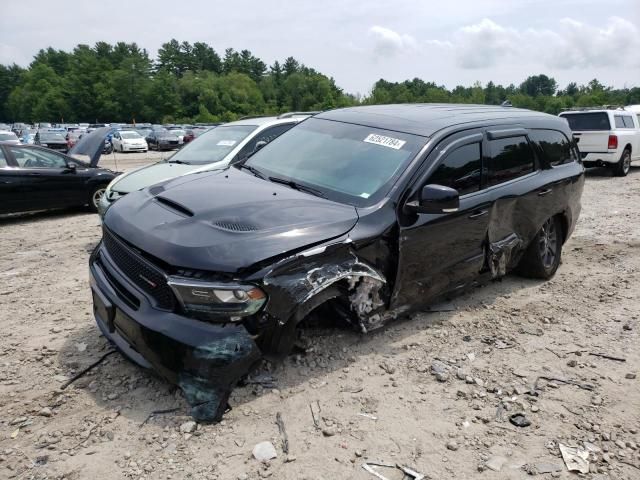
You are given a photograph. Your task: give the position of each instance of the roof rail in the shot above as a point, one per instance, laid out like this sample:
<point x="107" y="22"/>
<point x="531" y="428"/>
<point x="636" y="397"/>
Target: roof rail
<point x="247" y="117"/>
<point x="293" y="114"/>
<point x="585" y="109"/>
<point x="506" y="103"/>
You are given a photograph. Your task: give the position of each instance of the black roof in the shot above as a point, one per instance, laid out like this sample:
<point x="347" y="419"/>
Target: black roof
<point x="425" y="119"/>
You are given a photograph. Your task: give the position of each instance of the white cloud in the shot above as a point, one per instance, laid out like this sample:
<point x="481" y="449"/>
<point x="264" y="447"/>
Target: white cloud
<point x="572" y="44"/>
<point x="483" y="44"/>
<point x="388" y="43"/>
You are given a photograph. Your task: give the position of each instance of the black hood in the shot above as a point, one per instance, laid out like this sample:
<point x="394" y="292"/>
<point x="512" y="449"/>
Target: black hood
<point x="225" y="221"/>
<point x="92" y="144"/>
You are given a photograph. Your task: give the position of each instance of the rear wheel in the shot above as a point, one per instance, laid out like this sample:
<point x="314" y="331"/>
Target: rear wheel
<point x="542" y="258"/>
<point x="621" y="169"/>
<point x="94" y="197"/>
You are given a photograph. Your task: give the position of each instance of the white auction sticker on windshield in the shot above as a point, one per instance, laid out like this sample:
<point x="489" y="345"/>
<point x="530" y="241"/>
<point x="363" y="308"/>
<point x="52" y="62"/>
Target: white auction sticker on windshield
<point x="383" y="141"/>
<point x="226" y="143"/>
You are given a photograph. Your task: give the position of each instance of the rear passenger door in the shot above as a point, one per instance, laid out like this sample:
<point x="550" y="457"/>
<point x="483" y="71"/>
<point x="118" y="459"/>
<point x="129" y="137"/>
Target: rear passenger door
<point x="12" y="198"/>
<point x="515" y="187"/>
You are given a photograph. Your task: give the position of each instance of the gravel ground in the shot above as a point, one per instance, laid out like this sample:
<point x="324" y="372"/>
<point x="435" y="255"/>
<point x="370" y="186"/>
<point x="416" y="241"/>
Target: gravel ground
<point x="433" y="392"/>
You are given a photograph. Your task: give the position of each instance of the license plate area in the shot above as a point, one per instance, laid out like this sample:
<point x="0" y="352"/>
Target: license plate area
<point x="103" y="309"/>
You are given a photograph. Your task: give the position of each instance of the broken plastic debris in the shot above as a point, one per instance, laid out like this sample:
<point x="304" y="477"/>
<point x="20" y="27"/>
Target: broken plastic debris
<point x="409" y="473"/>
<point x="575" y="458"/>
<point x="368" y="415"/>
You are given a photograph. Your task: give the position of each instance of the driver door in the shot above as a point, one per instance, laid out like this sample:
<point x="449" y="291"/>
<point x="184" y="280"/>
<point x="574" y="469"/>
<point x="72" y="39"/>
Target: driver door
<point x="441" y="253"/>
<point x="46" y="178"/>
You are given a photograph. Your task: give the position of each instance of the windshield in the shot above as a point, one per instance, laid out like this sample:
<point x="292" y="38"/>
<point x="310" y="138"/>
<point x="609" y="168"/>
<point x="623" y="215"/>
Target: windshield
<point x="8" y="136"/>
<point x="348" y="163"/>
<point x="588" y="121"/>
<point x="214" y="145"/>
<point x="177" y="132"/>
<point x="130" y="135"/>
<point x="51" y="136"/>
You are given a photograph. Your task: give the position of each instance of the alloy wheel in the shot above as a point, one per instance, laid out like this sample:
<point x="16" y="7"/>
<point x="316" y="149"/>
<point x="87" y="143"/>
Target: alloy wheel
<point x="97" y="196"/>
<point x="548" y="243"/>
<point x="626" y="163"/>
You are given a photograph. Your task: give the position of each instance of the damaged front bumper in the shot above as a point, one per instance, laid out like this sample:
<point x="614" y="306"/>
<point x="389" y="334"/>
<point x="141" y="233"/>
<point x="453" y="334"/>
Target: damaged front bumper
<point x="204" y="359"/>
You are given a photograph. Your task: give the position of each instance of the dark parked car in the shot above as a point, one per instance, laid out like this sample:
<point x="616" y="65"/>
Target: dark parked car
<point x="52" y="140"/>
<point x="36" y="178"/>
<point x="365" y="213"/>
<point x="162" y="140"/>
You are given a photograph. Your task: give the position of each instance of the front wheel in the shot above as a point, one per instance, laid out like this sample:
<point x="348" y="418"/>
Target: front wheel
<point x="542" y="258"/>
<point x="621" y="169"/>
<point x="97" y="192"/>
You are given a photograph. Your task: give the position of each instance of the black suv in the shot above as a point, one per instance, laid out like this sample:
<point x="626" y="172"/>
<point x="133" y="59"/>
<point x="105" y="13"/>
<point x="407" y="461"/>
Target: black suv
<point x="372" y="212"/>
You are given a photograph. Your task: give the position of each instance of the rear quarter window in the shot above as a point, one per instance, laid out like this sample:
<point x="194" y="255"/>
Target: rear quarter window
<point x="555" y="146"/>
<point x="628" y="121"/>
<point x="588" y="121"/>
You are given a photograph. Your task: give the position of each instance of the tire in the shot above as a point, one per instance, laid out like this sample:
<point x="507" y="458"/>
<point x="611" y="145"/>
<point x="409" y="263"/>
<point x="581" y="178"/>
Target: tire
<point x="94" y="197"/>
<point x="621" y="169"/>
<point x="542" y="257"/>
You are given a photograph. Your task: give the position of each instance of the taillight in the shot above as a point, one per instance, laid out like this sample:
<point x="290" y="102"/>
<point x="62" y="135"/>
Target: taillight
<point x="613" y="142"/>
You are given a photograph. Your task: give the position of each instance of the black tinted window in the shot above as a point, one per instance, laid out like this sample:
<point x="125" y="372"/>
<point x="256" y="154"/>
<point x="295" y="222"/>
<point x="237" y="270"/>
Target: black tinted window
<point x="555" y="146"/>
<point x="461" y="169"/>
<point x="628" y="122"/>
<point x="510" y="158"/>
<point x="588" y="121"/>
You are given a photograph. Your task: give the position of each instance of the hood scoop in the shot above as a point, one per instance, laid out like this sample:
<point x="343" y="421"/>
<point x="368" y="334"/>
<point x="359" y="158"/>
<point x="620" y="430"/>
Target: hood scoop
<point x="175" y="206"/>
<point x="235" y="226"/>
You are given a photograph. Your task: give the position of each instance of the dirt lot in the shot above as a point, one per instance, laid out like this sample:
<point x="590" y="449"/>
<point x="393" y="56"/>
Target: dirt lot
<point x="375" y="396"/>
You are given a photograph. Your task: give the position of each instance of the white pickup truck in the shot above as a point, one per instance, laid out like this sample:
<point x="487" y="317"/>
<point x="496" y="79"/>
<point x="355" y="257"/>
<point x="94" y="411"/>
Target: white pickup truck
<point x="606" y="137"/>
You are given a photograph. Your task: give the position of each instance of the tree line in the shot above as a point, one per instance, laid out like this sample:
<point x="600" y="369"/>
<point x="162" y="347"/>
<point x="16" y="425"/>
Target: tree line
<point x="193" y="83"/>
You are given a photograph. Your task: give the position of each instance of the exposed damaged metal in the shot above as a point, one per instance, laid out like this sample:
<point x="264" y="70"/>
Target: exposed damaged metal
<point x="501" y="254"/>
<point x="203" y="305"/>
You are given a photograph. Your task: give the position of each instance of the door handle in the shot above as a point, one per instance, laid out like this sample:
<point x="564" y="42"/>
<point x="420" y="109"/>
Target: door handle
<point x="542" y="193"/>
<point x="479" y="213"/>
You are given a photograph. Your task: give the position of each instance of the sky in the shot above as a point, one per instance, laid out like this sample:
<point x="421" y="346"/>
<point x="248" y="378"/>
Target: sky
<point x="357" y="42"/>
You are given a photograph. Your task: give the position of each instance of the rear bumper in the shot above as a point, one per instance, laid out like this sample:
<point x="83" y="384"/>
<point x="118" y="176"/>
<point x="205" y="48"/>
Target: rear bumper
<point x="205" y="360"/>
<point x="600" y="158"/>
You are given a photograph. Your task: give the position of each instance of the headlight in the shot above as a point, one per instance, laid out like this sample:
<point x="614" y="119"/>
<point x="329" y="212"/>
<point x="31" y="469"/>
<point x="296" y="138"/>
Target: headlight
<point x="209" y="301"/>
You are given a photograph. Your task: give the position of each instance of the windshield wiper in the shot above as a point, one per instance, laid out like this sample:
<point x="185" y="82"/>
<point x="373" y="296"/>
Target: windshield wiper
<point x="178" y="161"/>
<point x="298" y="186"/>
<point x="253" y="170"/>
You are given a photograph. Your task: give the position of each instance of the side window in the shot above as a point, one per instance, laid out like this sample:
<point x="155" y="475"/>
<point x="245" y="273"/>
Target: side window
<point x="628" y="122"/>
<point x="511" y="158"/>
<point x="461" y="169"/>
<point x="554" y="145"/>
<point x="34" y="158"/>
<point x="619" y="121"/>
<point x="3" y="160"/>
<point x="267" y="135"/>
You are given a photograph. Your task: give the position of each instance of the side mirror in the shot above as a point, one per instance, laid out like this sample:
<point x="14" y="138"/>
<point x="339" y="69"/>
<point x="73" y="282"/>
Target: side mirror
<point x="71" y="167"/>
<point x="435" y="199"/>
<point x="259" y="145"/>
